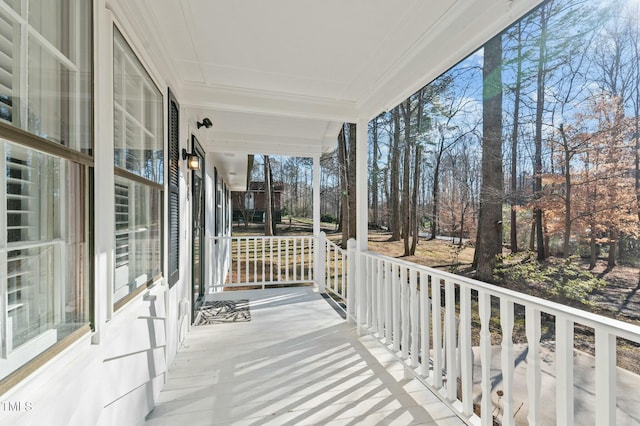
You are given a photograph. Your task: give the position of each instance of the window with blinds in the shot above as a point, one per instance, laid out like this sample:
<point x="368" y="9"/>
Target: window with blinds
<point x="6" y="69"/>
<point x="55" y="105"/>
<point x="46" y="294"/>
<point x="139" y="169"/>
<point x="45" y="89"/>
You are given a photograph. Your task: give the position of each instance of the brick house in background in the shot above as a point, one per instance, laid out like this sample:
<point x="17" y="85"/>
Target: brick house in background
<point x="252" y="202"/>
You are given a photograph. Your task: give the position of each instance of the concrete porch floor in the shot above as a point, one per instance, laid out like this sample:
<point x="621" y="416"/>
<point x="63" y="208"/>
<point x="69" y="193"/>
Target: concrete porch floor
<point x="296" y="362"/>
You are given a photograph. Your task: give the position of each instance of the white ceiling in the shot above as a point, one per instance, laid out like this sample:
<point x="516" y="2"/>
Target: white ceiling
<point x="280" y="76"/>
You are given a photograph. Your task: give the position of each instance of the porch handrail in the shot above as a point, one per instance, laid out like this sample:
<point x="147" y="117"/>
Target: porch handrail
<point x="397" y="302"/>
<point x="623" y="329"/>
<point x="261" y="260"/>
<point x="336" y="269"/>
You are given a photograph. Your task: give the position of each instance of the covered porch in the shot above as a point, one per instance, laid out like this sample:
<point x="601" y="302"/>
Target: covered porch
<point x="269" y="93"/>
<point x="296" y="362"/>
<point x="359" y="337"/>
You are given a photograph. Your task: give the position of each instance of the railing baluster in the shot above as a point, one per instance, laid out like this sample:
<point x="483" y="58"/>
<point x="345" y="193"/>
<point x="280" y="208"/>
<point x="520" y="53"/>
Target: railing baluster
<point x="507" y="359"/>
<point x="534" y="374"/>
<point x="564" y="368"/>
<point x="424" y="323"/>
<point x="262" y="257"/>
<point x="286" y="259"/>
<point x="368" y="291"/>
<point x="437" y="331"/>
<point x="343" y="269"/>
<point x="271" y="260"/>
<point x="466" y="351"/>
<point x="404" y="311"/>
<point x="450" y="339"/>
<point x="279" y="260"/>
<point x="388" y="301"/>
<point x="486" y="408"/>
<point x="415" y="331"/>
<point x="255" y="259"/>
<point x="302" y="257"/>
<point x="238" y="259"/>
<point x="395" y="337"/>
<point x="246" y="266"/>
<point x="605" y="377"/>
<point x="327" y="260"/>
<point x="374" y="293"/>
<point x="335" y="269"/>
<point x="295" y="258"/>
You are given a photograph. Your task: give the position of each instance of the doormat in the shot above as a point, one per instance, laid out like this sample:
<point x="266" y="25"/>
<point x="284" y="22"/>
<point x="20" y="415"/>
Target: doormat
<point x="222" y="311"/>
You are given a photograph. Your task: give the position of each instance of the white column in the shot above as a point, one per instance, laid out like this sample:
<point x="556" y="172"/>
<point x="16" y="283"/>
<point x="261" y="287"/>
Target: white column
<point x="103" y="171"/>
<point x="319" y="243"/>
<point x="316" y="196"/>
<point x="362" y="218"/>
<point x="362" y="189"/>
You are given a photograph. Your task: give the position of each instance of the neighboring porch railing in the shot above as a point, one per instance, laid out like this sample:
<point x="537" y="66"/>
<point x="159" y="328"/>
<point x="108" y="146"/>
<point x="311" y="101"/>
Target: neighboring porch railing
<point x="262" y="261"/>
<point x="448" y="329"/>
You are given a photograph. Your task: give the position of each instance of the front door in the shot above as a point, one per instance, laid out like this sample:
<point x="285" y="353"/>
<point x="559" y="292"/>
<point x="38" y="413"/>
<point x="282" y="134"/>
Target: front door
<point x="197" y="230"/>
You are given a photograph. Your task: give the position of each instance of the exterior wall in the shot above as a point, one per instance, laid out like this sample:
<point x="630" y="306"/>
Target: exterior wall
<point x="113" y="375"/>
<point x="258" y="205"/>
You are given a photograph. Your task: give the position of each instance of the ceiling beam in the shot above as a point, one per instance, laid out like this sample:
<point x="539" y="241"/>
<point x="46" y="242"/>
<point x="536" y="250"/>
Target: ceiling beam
<point x="270" y="103"/>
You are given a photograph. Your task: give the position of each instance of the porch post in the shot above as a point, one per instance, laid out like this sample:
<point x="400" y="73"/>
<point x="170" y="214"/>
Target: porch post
<point x="318" y="253"/>
<point x="362" y="218"/>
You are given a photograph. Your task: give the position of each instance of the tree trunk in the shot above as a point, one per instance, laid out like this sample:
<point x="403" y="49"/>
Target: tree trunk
<point x="613" y="248"/>
<point x="489" y="240"/>
<point x="414" y="211"/>
<point x="344" y="199"/>
<point x="568" y="189"/>
<point x="394" y="184"/>
<point x="406" y="202"/>
<point x="436" y="196"/>
<point x="268" y="212"/>
<point x="514" y="145"/>
<point x="351" y="182"/>
<point x="374" y="175"/>
<point x="540" y="86"/>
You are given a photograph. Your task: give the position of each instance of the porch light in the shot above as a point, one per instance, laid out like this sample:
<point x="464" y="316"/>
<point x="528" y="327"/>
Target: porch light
<point x="205" y="122"/>
<point x="193" y="161"/>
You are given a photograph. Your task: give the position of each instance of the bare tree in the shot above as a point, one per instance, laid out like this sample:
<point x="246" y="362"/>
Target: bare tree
<point x="268" y="198"/>
<point x="489" y="240"/>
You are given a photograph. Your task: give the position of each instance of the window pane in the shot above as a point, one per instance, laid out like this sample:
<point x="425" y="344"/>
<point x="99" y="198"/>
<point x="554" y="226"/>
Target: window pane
<point x="56" y="98"/>
<point x="45" y="254"/>
<point x="137" y="112"/>
<point x="138" y="235"/>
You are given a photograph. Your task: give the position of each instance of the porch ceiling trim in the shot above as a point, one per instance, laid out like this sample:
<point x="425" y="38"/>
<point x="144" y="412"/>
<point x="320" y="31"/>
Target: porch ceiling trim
<point x="243" y="100"/>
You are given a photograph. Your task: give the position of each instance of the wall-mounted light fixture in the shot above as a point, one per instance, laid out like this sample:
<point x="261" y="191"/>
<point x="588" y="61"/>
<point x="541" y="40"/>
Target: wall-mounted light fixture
<point x="205" y="122"/>
<point x="193" y="160"/>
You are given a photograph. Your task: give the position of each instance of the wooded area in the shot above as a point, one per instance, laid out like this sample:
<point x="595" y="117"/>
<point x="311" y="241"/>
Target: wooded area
<point x="532" y="142"/>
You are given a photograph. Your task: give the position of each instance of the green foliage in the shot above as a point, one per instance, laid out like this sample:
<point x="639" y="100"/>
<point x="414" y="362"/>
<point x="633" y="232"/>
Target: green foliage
<point x="565" y="278"/>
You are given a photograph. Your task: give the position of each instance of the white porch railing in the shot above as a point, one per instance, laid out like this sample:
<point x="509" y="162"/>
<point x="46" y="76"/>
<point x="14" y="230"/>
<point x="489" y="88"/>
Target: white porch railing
<point x="262" y="261"/>
<point x="335" y="261"/>
<point x="428" y="316"/>
<point x="449" y="329"/>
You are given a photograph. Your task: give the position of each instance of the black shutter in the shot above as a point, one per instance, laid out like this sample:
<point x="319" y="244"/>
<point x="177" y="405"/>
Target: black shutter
<point x="174" y="190"/>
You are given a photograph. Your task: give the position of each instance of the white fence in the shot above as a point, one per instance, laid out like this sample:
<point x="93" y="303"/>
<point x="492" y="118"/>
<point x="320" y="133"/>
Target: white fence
<point x="262" y="261"/>
<point x="441" y="323"/>
<point x="457" y="334"/>
<point x="335" y="261"/>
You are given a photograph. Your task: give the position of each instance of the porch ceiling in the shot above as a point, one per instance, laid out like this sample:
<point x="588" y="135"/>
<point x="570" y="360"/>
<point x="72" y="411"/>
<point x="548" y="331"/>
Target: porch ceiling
<point x="278" y="74"/>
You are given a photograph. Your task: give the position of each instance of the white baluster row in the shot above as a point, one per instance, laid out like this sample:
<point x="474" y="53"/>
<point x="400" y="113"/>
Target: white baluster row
<point x="403" y="305"/>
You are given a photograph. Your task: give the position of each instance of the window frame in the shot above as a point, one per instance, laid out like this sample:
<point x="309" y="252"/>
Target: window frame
<point x="139" y="179"/>
<point x="78" y="164"/>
